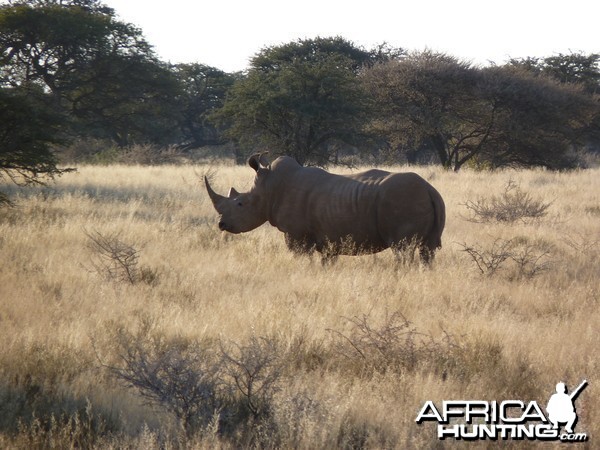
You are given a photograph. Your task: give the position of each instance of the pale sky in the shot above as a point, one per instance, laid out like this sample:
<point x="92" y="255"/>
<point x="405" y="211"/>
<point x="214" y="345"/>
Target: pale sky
<point x="227" y="33"/>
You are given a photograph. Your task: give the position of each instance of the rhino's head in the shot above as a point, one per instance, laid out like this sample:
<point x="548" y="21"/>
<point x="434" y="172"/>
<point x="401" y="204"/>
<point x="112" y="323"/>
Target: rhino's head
<point x="246" y="211"/>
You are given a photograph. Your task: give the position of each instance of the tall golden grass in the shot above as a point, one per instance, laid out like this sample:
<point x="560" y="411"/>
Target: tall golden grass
<point x="487" y="336"/>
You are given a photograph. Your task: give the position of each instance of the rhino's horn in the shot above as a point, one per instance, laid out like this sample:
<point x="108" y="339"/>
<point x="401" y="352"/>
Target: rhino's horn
<point x="214" y="197"/>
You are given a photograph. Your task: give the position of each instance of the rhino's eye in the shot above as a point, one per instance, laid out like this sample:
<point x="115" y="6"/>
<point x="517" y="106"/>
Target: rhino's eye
<point x="239" y="204"/>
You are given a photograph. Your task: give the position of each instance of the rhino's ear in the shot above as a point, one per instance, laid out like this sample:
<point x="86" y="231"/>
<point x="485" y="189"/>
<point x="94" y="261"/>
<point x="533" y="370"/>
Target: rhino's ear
<point x="259" y="159"/>
<point x="264" y="161"/>
<point x="253" y="162"/>
<point x="233" y="193"/>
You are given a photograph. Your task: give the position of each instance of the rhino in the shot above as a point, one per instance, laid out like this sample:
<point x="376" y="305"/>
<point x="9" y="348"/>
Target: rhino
<point x="366" y="212"/>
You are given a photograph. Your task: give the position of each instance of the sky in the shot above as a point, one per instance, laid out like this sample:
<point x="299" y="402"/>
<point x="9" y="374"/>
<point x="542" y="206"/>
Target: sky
<point x="226" y="33"/>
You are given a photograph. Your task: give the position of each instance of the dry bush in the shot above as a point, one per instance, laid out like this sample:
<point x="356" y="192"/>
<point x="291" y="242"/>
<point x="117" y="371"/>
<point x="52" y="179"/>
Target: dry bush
<point x="529" y="259"/>
<point x="505" y="372"/>
<point x="37" y="406"/>
<point x="356" y="433"/>
<point x="117" y="260"/>
<point x="393" y="345"/>
<point x="204" y="385"/>
<point x="582" y="244"/>
<point x="114" y="258"/>
<point x="255" y="368"/>
<point x="93" y="151"/>
<point x="182" y="376"/>
<point x="512" y="205"/>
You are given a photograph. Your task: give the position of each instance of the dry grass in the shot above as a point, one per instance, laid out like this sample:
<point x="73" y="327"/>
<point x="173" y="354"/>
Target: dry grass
<point x="466" y="335"/>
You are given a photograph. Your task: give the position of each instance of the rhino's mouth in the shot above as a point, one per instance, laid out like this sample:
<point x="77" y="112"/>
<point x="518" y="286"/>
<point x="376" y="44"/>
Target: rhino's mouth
<point x="226" y="227"/>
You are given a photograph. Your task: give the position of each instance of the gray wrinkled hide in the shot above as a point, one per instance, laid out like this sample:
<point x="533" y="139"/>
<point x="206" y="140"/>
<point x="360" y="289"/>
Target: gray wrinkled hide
<point x="336" y="214"/>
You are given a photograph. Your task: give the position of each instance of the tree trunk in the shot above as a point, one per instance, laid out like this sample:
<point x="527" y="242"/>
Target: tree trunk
<point x="439" y="145"/>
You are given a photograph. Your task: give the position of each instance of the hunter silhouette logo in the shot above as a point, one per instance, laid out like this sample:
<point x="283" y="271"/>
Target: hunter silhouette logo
<point x="561" y="408"/>
<point x="509" y="419"/>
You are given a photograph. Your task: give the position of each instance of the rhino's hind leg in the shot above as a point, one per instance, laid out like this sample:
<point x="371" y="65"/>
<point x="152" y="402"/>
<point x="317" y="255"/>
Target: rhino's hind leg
<point x="427" y="254"/>
<point x="405" y="251"/>
<point x="428" y="248"/>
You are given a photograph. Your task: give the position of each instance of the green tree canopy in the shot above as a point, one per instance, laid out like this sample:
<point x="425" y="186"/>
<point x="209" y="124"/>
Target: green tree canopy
<point x="204" y="89"/>
<point x="101" y="72"/>
<point x="538" y="121"/>
<point x="573" y="68"/>
<point x="47" y="42"/>
<point x="495" y="116"/>
<point x="423" y="102"/>
<point x="28" y="130"/>
<point x="127" y="99"/>
<point x="301" y="99"/>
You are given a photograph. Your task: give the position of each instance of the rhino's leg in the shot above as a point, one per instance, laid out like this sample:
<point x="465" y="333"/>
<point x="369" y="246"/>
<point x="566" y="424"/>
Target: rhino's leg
<point x="428" y="248"/>
<point x="329" y="252"/>
<point x="404" y="250"/>
<point x="328" y="259"/>
<point x="300" y="246"/>
<point x="427" y="254"/>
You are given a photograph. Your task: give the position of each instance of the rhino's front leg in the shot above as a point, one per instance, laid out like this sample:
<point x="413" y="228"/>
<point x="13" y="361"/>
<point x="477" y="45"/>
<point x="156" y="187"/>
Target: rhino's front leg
<point x="300" y="245"/>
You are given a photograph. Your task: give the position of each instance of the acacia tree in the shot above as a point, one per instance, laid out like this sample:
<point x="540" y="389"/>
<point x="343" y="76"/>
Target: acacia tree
<point x="127" y="99"/>
<point x="301" y="99"/>
<point x="203" y="92"/>
<point x="429" y="101"/>
<point x="572" y="68"/>
<point x="100" y="72"/>
<point x="47" y="41"/>
<point x="494" y="116"/>
<point x="538" y="121"/>
<point x="28" y="130"/>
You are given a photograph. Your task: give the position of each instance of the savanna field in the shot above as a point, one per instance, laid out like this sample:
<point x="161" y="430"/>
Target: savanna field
<point x="127" y="320"/>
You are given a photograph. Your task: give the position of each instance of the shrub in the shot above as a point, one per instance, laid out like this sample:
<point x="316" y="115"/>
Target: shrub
<point x="393" y="345"/>
<point x="255" y="369"/>
<point x="149" y="155"/>
<point x="182" y="376"/>
<point x="205" y="386"/>
<point x="113" y="257"/>
<point x="529" y="259"/>
<point x="512" y="205"/>
<point x="118" y="260"/>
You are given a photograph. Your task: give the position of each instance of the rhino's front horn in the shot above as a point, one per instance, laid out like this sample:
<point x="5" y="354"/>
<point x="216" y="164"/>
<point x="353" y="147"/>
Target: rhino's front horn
<point x="214" y="197"/>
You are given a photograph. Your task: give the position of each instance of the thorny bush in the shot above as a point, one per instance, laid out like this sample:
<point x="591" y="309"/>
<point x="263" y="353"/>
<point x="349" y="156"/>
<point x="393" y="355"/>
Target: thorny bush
<point x="512" y="205"/>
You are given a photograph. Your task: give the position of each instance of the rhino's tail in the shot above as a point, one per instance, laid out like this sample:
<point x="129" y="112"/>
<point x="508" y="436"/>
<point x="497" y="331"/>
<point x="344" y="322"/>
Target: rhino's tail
<point x="439" y="221"/>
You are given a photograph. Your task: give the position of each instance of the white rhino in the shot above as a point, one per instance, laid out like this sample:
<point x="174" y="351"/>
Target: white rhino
<point x="365" y="212"/>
